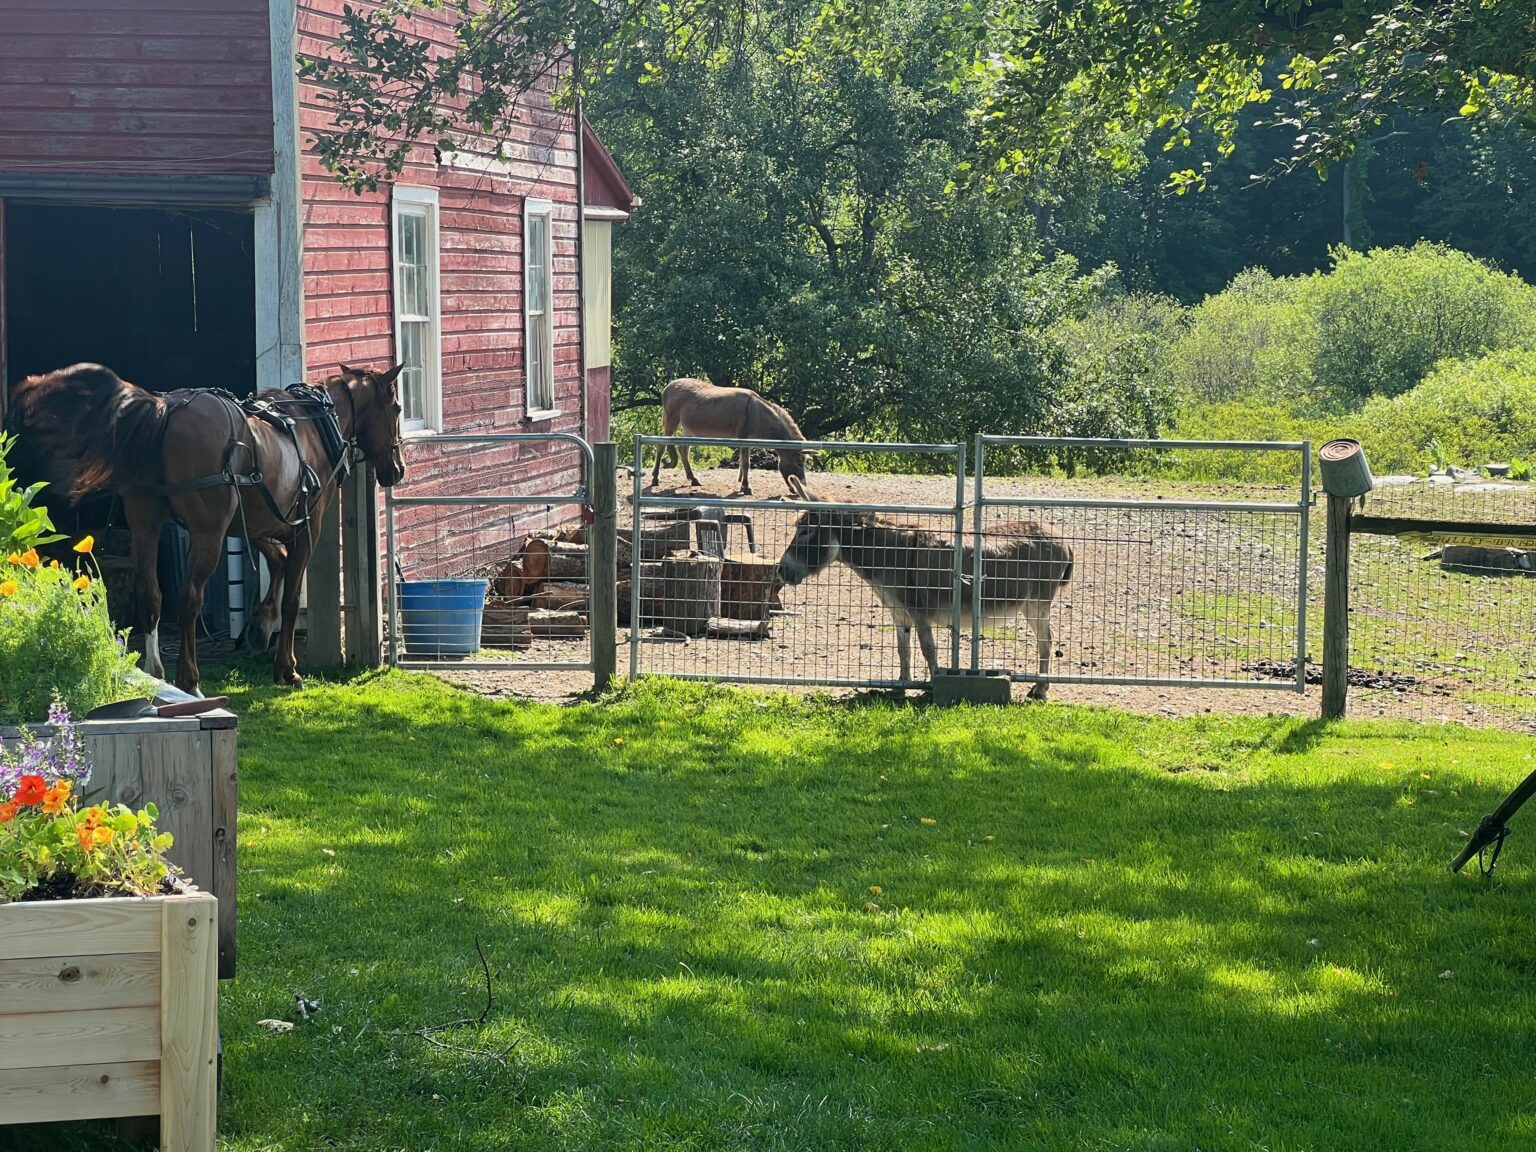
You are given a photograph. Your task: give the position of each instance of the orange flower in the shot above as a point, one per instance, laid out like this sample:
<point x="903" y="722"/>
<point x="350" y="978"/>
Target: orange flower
<point x="53" y="801"/>
<point x="85" y="833"/>
<point x="81" y="583"/>
<point x="31" y="790"/>
<point x="8" y="811"/>
<point x="9" y="587"/>
<point x="13" y="558"/>
<point x="53" y="564"/>
<point x="86" y="544"/>
<point x="30" y="558"/>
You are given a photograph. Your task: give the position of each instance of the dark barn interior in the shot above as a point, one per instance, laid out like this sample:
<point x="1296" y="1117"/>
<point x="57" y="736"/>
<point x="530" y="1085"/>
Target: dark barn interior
<point x="164" y="297"/>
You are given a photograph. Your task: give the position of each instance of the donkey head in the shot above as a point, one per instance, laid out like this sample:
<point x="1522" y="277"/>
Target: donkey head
<point x="816" y="539"/>
<point x="792" y="464"/>
<point x="375" y="400"/>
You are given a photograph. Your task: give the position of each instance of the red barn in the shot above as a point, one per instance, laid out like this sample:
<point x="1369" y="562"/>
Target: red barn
<point x="161" y="212"/>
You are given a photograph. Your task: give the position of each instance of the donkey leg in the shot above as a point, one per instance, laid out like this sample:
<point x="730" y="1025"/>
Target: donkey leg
<point x="687" y="465"/>
<point x="746" y="471"/>
<point x="207" y="551"/>
<point x="145" y="520"/>
<point x="925" y="639"/>
<point x="904" y="648"/>
<point x="1039" y="616"/>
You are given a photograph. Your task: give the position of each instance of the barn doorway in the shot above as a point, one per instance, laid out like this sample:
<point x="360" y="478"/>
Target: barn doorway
<point x="166" y="298"/>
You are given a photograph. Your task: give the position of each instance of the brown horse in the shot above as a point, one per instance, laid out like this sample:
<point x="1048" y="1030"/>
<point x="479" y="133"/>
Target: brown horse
<point x="700" y="408"/>
<point x="202" y="457"/>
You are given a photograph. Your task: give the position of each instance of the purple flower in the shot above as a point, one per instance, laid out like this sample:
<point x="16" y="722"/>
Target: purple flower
<point x="59" y="757"/>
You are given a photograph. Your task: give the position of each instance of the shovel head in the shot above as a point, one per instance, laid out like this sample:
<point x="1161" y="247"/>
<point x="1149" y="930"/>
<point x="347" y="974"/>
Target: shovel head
<point x="122" y="710"/>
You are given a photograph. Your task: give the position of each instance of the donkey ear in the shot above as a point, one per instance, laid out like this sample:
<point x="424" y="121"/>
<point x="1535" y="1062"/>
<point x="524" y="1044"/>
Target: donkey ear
<point x="797" y="488"/>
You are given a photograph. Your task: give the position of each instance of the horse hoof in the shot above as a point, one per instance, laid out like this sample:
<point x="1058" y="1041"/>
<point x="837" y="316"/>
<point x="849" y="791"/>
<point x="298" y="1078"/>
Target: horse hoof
<point x="288" y="679"/>
<point x="1037" y="692"/>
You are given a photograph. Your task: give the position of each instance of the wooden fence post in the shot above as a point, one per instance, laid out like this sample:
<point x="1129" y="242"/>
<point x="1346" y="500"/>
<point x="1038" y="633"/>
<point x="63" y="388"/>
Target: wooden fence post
<point x="364" y="623"/>
<point x="602" y="563"/>
<point x="1336" y="610"/>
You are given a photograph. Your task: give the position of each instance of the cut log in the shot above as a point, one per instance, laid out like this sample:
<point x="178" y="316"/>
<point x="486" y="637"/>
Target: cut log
<point x="504" y="625"/>
<point x="623" y="596"/>
<point x="650" y="592"/>
<point x="557" y="625"/>
<point x="659" y="537"/>
<point x="512" y="582"/>
<point x="747" y="587"/>
<point x="560" y="597"/>
<point x="721" y="628"/>
<point x="690" y="592"/>
<point x="552" y="560"/>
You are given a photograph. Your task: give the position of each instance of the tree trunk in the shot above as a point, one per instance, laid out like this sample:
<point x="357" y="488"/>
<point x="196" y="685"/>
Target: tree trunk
<point x="690" y="592"/>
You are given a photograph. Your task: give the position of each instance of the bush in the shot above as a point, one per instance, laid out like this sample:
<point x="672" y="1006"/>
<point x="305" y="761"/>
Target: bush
<point x="1257" y="338"/>
<point x="1245" y="420"/>
<point x="1386" y="318"/>
<point x="56" y="639"/>
<point x="1479" y="411"/>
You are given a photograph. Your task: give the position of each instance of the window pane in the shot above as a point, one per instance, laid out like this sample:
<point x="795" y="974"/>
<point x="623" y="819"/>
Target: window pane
<point x="538" y="264"/>
<point x="413" y="378"/>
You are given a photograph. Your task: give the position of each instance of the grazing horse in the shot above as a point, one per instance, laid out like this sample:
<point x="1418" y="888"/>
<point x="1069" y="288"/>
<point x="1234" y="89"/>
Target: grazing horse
<point x="1023" y="566"/>
<point x="266" y="469"/>
<point x="700" y="408"/>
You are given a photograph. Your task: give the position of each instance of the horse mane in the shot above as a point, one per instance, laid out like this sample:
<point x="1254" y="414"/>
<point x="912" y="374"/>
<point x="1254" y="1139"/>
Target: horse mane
<point x="88" y="415"/>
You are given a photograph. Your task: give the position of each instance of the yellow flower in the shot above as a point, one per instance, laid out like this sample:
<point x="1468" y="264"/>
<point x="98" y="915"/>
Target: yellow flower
<point x="86" y="544"/>
<point x="13" y="558"/>
<point x="81" y="583"/>
<point x="53" y="564"/>
<point x="876" y="890"/>
<point x="30" y="558"/>
<point x="929" y="820"/>
<point x="104" y="834"/>
<point x="9" y="587"/>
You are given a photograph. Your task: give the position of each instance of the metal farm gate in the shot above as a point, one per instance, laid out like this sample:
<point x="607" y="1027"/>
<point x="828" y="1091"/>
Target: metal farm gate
<point x="441" y="544"/>
<point x="1165" y="591"/>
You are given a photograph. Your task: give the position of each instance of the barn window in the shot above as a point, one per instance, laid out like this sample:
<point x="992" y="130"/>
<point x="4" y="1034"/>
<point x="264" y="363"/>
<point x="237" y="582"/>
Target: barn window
<point x="417" y="335"/>
<point x="538" y="276"/>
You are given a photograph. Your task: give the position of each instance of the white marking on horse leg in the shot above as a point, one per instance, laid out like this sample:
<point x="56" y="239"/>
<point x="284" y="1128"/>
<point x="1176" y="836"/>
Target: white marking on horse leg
<point x="152" y="663"/>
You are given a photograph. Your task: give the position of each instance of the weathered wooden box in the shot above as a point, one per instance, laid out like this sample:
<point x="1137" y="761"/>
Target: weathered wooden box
<point x="187" y="767"/>
<point x="108" y="1009"/>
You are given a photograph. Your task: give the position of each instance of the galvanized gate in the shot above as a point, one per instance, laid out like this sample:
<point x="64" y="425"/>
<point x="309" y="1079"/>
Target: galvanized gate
<point x="1166" y="591"/>
<point x="451" y="536"/>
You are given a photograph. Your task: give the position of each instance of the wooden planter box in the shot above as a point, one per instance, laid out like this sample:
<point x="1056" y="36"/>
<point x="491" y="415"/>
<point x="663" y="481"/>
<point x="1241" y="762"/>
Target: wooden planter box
<point x="110" y="1008"/>
<point x="187" y="767"/>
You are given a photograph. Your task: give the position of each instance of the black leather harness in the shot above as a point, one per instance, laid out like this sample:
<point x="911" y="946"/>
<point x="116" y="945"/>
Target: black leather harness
<point x="314" y="404"/>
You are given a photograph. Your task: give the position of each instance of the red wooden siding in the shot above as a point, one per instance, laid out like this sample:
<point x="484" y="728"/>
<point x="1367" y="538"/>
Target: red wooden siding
<point x="348" y="289"/>
<point x="135" y="86"/>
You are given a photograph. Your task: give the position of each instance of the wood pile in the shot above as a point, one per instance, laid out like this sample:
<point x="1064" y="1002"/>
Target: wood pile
<point x="542" y="591"/>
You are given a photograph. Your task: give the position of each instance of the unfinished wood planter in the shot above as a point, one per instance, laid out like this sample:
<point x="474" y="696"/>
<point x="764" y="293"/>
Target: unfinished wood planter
<point x="108" y="1009"/>
<point x="187" y="767"/>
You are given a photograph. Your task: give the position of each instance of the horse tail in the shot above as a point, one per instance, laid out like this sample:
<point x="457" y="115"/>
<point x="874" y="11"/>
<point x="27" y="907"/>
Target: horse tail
<point x="107" y="428"/>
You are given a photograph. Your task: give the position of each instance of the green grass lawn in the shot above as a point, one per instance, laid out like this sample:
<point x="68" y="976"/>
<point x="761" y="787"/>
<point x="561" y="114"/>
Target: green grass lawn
<point x="724" y="920"/>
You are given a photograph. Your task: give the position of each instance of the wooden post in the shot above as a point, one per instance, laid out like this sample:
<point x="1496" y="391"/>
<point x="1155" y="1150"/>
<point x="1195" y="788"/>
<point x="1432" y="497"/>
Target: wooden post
<point x="360" y="572"/>
<point x="602" y="561"/>
<point x="690" y="592"/>
<point x="189" y="1026"/>
<point x="1336" y="610"/>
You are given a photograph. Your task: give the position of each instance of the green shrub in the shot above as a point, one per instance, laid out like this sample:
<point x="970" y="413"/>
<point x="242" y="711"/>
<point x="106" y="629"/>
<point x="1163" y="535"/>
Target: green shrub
<point x="1386" y="318"/>
<point x="56" y="639"/>
<point x="1256" y="338"/>
<point x="1244" y="420"/>
<point x="1478" y="411"/>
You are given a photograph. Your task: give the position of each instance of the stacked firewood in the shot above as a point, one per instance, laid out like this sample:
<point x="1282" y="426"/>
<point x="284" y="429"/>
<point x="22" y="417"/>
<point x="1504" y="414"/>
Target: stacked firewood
<point x="543" y="590"/>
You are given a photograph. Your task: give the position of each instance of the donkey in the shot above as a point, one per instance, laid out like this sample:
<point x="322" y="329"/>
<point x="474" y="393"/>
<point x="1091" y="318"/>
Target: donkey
<point x="700" y="408"/>
<point x="1024" y="565"/>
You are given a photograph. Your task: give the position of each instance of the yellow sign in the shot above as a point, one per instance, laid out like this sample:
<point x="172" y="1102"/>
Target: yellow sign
<point x="1522" y="543"/>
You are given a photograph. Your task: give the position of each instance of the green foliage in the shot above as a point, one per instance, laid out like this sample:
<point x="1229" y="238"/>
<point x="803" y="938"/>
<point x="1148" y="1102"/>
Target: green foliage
<point x="1474" y="411"/>
<point x="1255" y="339"/>
<point x="24" y="523"/>
<point x="1385" y="318"/>
<point x="56" y="638"/>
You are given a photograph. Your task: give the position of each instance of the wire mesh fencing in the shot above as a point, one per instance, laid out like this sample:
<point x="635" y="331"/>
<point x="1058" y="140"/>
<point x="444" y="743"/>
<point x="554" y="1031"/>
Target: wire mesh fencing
<point x="1164" y="589"/>
<point x="794" y="590"/>
<point x="499" y="579"/>
<point x="1443" y="601"/>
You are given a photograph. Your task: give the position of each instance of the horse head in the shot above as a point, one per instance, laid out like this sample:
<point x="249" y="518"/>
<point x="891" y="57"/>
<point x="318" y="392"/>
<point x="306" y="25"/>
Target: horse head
<point x="375" y="400"/>
<point x="815" y="543"/>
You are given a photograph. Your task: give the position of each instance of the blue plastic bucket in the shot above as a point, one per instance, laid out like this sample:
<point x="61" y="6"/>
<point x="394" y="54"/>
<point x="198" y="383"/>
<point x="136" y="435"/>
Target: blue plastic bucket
<point x="441" y="617"/>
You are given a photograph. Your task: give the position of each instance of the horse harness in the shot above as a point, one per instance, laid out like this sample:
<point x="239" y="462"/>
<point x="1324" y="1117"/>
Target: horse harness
<point x="316" y="405"/>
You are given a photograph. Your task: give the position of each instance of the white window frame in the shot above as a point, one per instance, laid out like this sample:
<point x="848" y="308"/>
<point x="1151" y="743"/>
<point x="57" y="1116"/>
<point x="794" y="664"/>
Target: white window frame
<point x="536" y="406"/>
<point x="406" y="200"/>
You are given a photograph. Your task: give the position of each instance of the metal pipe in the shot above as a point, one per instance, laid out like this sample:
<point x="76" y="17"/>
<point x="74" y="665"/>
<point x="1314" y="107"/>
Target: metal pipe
<point x="793" y="505"/>
<point x="819" y="681"/>
<point x="804" y="445"/>
<point x="1090" y="442"/>
<point x="979" y="575"/>
<point x="958" y="593"/>
<point x="495" y="666"/>
<point x="554" y="501"/>
<point x="1151" y="681"/>
<point x="1167" y="505"/>
<point x="1301" y="564"/>
<point x="634" y="562"/>
<point x="390" y="577"/>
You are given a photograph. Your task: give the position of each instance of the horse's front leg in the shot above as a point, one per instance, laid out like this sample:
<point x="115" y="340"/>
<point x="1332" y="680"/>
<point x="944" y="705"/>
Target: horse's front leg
<point x="146" y="518"/>
<point x="687" y="465"/>
<point x="267" y="618"/>
<point x="207" y="551"/>
<point x="285" y="666"/>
